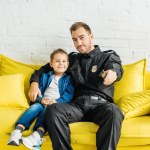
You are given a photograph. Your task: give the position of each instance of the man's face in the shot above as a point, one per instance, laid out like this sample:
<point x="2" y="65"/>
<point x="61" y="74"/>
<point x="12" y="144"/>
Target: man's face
<point x="83" y="40"/>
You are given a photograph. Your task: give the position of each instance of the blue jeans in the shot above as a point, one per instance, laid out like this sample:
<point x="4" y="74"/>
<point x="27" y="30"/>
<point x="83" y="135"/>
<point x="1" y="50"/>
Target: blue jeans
<point x="35" y="111"/>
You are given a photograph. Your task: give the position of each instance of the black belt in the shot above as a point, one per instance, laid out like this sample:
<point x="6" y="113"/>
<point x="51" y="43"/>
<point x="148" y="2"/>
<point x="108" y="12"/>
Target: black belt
<point x="92" y="97"/>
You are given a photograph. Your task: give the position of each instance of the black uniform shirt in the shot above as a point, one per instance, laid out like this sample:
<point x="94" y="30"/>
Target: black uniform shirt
<point x="86" y="70"/>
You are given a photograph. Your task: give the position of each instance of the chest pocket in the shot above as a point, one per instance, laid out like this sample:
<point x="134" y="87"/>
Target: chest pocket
<point x="95" y="75"/>
<point x="76" y="72"/>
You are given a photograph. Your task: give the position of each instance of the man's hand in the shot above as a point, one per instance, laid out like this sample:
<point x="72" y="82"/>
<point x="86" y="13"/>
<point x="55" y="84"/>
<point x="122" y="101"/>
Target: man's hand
<point x="110" y="77"/>
<point x="34" y="91"/>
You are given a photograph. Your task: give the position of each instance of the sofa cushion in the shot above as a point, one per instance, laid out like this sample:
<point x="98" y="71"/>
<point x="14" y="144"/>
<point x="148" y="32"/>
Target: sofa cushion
<point x="135" y="104"/>
<point x="12" y="91"/>
<point x="147" y="78"/>
<point x="9" y="66"/>
<point x="132" y="80"/>
<point x="85" y="130"/>
<point x="0" y="59"/>
<point x="136" y="127"/>
<point x="135" y="131"/>
<point x="8" y="118"/>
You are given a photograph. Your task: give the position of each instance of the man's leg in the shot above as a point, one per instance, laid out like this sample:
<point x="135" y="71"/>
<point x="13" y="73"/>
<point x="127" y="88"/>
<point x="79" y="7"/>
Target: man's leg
<point x="110" y="118"/>
<point x="57" y="117"/>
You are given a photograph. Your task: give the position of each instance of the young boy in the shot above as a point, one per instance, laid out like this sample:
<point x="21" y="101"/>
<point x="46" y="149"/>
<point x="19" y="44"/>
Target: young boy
<point x="56" y="87"/>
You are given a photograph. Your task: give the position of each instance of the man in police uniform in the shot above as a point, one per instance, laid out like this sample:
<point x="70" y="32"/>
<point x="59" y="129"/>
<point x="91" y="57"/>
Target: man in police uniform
<point x="94" y="74"/>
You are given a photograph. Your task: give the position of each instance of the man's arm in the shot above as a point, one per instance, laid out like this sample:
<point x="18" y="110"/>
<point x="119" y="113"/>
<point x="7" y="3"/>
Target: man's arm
<point x="34" y="81"/>
<point x="113" y="68"/>
<point x="37" y="73"/>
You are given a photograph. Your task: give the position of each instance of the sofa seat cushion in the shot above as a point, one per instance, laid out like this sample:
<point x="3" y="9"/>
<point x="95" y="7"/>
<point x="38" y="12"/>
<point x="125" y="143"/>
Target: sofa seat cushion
<point x="135" y="131"/>
<point x="134" y="128"/>
<point x="47" y="145"/>
<point x="134" y="141"/>
<point x="83" y="127"/>
<point x="8" y="118"/>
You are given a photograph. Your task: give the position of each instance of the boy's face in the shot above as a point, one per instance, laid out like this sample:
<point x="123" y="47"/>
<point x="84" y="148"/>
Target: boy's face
<point x="59" y="63"/>
<point x="83" y="40"/>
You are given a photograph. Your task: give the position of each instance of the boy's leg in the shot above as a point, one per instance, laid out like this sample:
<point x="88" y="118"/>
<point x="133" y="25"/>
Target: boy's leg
<point x="24" y="123"/>
<point x="20" y="127"/>
<point x="29" y="115"/>
<point x="40" y="122"/>
<point x="16" y="135"/>
<point x="35" y="140"/>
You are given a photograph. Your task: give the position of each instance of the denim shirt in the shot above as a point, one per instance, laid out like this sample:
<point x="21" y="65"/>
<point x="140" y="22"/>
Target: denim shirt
<point x="66" y="87"/>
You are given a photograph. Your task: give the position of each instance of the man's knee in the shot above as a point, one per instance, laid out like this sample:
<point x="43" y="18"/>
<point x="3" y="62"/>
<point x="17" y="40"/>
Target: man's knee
<point x="54" y="111"/>
<point x="116" y="112"/>
<point x="113" y="111"/>
<point x="51" y="109"/>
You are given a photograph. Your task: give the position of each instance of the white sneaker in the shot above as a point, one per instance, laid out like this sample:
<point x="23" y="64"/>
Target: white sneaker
<point x="33" y="141"/>
<point x="15" y="138"/>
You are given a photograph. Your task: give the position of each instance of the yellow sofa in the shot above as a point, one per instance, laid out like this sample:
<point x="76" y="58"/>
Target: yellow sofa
<point x="132" y="95"/>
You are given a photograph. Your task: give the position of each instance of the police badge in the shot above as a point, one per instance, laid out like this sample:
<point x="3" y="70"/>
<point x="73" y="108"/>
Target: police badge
<point x="94" y="68"/>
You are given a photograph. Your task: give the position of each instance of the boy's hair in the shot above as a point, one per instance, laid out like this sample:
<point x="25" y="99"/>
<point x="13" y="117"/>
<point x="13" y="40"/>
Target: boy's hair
<point x="56" y="51"/>
<point x="77" y="25"/>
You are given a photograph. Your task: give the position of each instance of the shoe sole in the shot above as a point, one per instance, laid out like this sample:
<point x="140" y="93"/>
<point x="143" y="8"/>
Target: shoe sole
<point x="27" y="144"/>
<point x="13" y="143"/>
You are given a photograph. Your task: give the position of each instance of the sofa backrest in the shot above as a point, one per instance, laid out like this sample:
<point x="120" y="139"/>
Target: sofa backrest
<point x="137" y="69"/>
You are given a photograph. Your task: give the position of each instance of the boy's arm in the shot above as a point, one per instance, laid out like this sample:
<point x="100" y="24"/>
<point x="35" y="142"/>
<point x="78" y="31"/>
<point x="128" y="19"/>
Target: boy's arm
<point x="68" y="93"/>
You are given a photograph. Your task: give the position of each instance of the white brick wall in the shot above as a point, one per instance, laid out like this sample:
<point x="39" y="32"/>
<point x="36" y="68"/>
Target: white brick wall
<point x="31" y="29"/>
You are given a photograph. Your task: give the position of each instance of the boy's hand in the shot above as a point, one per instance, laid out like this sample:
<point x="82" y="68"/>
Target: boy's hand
<point x="52" y="101"/>
<point x="45" y="102"/>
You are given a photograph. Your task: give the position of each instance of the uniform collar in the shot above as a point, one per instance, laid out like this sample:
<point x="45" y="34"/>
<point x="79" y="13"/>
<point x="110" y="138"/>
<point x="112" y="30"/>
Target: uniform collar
<point x="94" y="52"/>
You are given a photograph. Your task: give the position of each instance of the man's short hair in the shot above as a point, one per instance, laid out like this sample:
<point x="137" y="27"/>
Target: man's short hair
<point x="78" y="25"/>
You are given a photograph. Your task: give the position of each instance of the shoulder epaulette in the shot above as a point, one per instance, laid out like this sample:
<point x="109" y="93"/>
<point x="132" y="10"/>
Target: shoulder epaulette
<point x="109" y="51"/>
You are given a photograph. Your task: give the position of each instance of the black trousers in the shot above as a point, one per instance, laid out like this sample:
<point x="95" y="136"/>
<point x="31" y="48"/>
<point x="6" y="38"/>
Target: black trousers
<point x="107" y="115"/>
